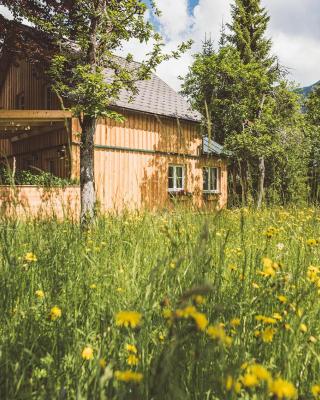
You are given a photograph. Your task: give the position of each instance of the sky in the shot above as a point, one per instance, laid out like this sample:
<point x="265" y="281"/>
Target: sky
<point x="294" y="29"/>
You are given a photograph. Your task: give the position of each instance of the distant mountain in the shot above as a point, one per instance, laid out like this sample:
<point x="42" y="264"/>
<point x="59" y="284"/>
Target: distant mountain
<point x="306" y="90"/>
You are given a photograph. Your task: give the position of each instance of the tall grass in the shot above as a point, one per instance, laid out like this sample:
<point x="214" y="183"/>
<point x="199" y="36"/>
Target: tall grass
<point x="232" y="267"/>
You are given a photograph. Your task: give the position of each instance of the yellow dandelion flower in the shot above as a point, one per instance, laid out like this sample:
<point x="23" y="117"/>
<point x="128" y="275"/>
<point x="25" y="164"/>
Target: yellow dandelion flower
<point x="277" y="316"/>
<point x="283" y="389"/>
<point x="128" y="376"/>
<point x="267" y="272"/>
<point x="93" y="286"/>
<point x="87" y="353"/>
<point x="39" y="294"/>
<point x="244" y="365"/>
<point x="315" y="390"/>
<point x="199" y="299"/>
<point x="260" y="372"/>
<point x="270" y="232"/>
<point x="267" y="334"/>
<point x="229" y="383"/>
<point x="55" y="313"/>
<point x="312" y="242"/>
<point x="232" y="267"/>
<point x="249" y="380"/>
<point x="282" y="298"/>
<point x="102" y="363"/>
<point x="287" y="327"/>
<point x="303" y="328"/>
<point x="186" y="312"/>
<point x="313" y="274"/>
<point x="30" y="257"/>
<point x="161" y="337"/>
<point x="131" y="348"/>
<point x="267" y="262"/>
<point x="132" y="359"/>
<point x="269" y="267"/>
<point x="167" y="313"/>
<point x="200" y="320"/>
<point x="255" y="285"/>
<point x="237" y="387"/>
<point x="128" y="319"/>
<point x="217" y="332"/>
<point x="312" y="339"/>
<point x="235" y="322"/>
<point x="266" y="320"/>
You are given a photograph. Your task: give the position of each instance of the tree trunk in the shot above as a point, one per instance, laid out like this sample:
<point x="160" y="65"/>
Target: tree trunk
<point x="262" y="174"/>
<point x="242" y="183"/>
<point x="235" y="201"/>
<point x="87" y="187"/>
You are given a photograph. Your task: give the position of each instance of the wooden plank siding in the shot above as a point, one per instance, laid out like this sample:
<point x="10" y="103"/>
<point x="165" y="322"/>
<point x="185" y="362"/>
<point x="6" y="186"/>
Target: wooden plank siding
<point x="24" y="77"/>
<point x="132" y="160"/>
<point x="131" y="157"/>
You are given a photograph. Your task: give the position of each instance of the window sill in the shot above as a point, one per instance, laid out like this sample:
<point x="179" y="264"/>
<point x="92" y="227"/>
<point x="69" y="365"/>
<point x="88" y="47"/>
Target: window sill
<point x="180" y="194"/>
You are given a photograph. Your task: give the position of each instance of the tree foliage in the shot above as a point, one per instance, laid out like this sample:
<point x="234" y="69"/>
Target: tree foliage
<point x="312" y="113"/>
<point x="84" y="36"/>
<point x="250" y="107"/>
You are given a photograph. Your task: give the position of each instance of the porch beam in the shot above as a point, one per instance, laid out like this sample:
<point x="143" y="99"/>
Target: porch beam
<point x="31" y="115"/>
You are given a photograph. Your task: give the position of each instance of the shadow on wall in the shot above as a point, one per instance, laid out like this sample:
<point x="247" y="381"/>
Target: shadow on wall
<point x="179" y="140"/>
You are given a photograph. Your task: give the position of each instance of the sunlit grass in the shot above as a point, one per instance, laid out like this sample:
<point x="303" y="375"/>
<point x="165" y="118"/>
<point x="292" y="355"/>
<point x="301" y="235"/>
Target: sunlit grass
<point x="167" y="306"/>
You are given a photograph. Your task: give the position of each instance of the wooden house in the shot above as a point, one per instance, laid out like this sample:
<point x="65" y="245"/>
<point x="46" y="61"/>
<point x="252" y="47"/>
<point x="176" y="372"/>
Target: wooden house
<point x="152" y="160"/>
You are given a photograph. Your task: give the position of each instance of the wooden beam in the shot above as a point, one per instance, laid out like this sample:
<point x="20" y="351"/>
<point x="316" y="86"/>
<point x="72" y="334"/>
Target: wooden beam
<point x="26" y="134"/>
<point x="39" y="115"/>
<point x="21" y="124"/>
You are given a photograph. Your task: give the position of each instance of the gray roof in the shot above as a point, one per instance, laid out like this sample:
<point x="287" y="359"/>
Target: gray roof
<point x="156" y="97"/>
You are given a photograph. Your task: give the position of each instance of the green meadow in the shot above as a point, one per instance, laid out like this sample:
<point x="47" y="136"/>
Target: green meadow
<point x="162" y="306"/>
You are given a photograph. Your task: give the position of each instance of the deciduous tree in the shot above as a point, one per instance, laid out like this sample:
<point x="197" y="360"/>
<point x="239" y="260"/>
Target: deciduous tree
<point x="85" y="74"/>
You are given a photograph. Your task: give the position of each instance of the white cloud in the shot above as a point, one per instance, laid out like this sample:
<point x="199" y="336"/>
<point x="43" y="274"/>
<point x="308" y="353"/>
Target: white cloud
<point x="175" y="19"/>
<point x="294" y="29"/>
<point x="177" y="25"/>
<point x="301" y="55"/>
<point x="208" y="18"/>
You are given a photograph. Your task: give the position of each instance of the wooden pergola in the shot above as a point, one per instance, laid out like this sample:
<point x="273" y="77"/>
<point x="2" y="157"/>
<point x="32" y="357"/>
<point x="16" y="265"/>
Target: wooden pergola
<point x="19" y="124"/>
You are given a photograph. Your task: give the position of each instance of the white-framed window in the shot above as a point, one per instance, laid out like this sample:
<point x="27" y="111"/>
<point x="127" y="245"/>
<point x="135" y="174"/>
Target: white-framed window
<point x="176" y="178"/>
<point x="211" y="180"/>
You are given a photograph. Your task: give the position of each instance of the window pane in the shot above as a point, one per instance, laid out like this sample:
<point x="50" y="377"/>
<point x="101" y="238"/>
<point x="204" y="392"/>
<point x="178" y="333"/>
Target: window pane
<point x="179" y="172"/>
<point x="170" y="183"/>
<point x="171" y="172"/>
<point x="205" y="179"/>
<point x="213" y="179"/>
<point x="179" y="183"/>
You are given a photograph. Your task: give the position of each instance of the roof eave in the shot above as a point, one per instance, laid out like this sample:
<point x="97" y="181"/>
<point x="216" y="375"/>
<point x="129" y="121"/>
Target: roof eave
<point x="115" y="107"/>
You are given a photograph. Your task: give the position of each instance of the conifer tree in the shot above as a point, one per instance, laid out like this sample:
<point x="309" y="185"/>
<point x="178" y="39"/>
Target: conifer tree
<point x="247" y="33"/>
<point x="248" y="29"/>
